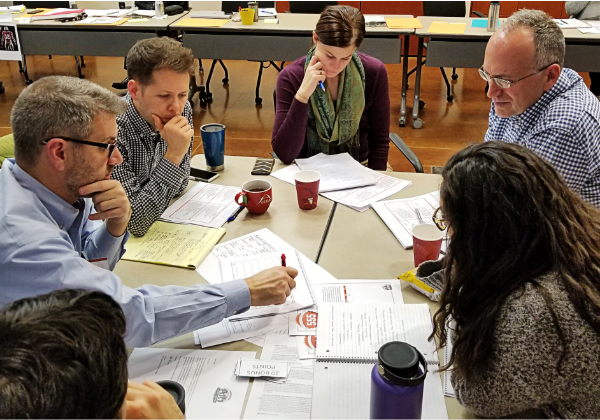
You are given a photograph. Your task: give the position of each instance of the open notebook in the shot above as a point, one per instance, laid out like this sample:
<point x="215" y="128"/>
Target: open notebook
<point x="348" y="338"/>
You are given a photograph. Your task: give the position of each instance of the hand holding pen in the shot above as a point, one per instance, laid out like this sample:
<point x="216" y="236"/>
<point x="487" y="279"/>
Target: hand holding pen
<point x="313" y="77"/>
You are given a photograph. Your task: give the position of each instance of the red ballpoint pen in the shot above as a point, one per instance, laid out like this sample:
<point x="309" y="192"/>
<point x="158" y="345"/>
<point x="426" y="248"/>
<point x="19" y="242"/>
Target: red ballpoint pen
<point x="283" y="260"/>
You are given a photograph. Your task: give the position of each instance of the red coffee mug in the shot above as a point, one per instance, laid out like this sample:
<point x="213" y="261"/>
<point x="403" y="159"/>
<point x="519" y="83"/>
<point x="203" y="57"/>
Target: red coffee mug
<point x="307" y="188"/>
<point x="256" y="196"/>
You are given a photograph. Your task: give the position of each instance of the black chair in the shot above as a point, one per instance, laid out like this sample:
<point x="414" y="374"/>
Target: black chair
<point x="205" y="96"/>
<point x="394" y="138"/>
<point x="315" y="7"/>
<point x="443" y="9"/>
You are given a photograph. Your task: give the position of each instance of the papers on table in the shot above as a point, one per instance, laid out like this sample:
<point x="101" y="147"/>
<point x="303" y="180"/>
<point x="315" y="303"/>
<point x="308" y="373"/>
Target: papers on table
<point x="342" y="375"/>
<point x="403" y="23"/>
<point x="210" y="14"/>
<point x="173" y="244"/>
<point x="267" y="12"/>
<point x="211" y="388"/>
<point x="268" y="370"/>
<point x="360" y="198"/>
<point x="242" y="256"/>
<point x="452" y="28"/>
<point x="374" y="20"/>
<point x="589" y="30"/>
<point x="571" y="23"/>
<point x="338" y="172"/>
<point x="116" y="12"/>
<point x="344" y="291"/>
<point x="291" y="400"/>
<point x="400" y="216"/>
<point x="201" y="22"/>
<point x="102" y="21"/>
<point x="204" y="204"/>
<point x="12" y="9"/>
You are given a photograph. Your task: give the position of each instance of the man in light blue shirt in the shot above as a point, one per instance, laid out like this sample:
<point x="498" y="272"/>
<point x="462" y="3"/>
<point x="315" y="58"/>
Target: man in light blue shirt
<point x="541" y="105"/>
<point x="53" y="237"/>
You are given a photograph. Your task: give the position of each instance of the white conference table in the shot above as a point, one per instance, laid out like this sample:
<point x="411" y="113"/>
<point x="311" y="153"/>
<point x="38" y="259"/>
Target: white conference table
<point x="358" y="245"/>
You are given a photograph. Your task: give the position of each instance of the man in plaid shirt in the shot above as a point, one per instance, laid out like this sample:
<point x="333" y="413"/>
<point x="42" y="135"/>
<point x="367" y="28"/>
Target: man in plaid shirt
<point x="541" y="105"/>
<point x="156" y="132"/>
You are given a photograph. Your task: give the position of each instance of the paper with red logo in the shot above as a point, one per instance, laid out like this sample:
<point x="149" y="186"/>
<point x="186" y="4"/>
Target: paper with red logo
<point x="212" y="390"/>
<point x="344" y="291"/>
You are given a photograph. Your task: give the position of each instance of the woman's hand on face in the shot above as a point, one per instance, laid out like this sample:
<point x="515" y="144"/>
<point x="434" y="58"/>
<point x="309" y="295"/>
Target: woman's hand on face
<point x="312" y="76"/>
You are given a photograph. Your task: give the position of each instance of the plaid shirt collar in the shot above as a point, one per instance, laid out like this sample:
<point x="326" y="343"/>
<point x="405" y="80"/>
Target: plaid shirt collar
<point x="137" y="122"/>
<point x="531" y="114"/>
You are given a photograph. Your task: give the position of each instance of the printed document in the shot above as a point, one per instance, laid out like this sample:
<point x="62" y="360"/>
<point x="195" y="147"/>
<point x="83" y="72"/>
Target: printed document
<point x="344" y="291"/>
<point x="211" y="389"/>
<point x="227" y="331"/>
<point x="173" y="244"/>
<point x="301" y="296"/>
<point x="338" y="172"/>
<point x="204" y="204"/>
<point x="360" y="198"/>
<point x="291" y="400"/>
<point x="400" y="215"/>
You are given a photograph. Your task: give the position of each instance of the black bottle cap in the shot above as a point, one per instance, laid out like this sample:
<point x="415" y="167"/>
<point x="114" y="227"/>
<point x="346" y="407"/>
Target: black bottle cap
<point x="399" y="362"/>
<point x="177" y="392"/>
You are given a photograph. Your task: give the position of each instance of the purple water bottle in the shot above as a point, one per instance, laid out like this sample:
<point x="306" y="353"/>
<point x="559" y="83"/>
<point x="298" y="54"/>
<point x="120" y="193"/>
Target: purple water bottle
<point x="397" y="382"/>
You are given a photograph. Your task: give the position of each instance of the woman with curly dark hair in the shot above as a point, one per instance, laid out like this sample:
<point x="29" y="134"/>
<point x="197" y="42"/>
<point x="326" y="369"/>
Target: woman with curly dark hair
<point x="521" y="285"/>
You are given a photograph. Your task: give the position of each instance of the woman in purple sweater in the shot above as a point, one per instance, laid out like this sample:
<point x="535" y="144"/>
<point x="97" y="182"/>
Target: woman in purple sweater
<point x="349" y="112"/>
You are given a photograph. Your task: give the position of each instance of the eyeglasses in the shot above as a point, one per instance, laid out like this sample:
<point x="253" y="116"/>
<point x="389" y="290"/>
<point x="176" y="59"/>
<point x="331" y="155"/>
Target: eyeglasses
<point x="503" y="83"/>
<point x="438" y="219"/>
<point x="109" y="146"/>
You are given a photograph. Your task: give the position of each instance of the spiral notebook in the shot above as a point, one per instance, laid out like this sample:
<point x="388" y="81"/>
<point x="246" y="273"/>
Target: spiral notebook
<point x="348" y="339"/>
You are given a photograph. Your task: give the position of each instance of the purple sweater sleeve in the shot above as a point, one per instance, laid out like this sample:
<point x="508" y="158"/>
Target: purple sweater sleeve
<point x="378" y="116"/>
<point x="291" y="116"/>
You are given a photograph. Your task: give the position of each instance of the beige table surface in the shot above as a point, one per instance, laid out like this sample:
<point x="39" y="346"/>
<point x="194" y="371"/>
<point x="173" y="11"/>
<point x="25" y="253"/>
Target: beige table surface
<point x="300" y="23"/>
<point x="571" y="35"/>
<point x="358" y="245"/>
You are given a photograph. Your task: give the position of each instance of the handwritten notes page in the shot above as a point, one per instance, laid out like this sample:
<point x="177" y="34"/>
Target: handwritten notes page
<point x="204" y="204"/>
<point x="173" y="244"/>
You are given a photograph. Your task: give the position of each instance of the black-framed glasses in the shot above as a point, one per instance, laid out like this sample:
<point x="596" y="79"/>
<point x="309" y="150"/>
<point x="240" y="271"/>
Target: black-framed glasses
<point x="503" y="83"/>
<point x="438" y="219"/>
<point x="109" y="146"/>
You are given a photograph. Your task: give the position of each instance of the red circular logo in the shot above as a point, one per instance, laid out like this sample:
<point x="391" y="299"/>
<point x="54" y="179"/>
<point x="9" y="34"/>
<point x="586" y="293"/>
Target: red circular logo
<point x="311" y="341"/>
<point x="307" y="320"/>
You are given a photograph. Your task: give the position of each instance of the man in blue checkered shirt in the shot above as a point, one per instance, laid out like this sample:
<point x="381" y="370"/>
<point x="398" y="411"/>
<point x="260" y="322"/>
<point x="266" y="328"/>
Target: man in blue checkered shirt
<point x="541" y="105"/>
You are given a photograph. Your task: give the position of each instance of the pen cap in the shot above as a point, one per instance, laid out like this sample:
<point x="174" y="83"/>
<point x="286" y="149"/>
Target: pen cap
<point x="399" y="362"/>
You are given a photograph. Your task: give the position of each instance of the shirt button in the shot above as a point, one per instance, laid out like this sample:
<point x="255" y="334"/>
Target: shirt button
<point x="234" y="312"/>
<point x="60" y="226"/>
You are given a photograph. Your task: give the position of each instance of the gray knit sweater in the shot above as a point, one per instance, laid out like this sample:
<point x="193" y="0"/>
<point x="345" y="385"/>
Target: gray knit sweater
<point x="526" y="350"/>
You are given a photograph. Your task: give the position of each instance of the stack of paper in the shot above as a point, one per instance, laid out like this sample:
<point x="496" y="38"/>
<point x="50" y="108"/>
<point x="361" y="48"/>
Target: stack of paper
<point x="204" y="204"/>
<point x="400" y="215"/>
<point x="291" y="400"/>
<point x="268" y="12"/>
<point x="360" y="198"/>
<point x="374" y="20"/>
<point x="571" y="23"/>
<point x="60" y="13"/>
<point x="338" y="172"/>
<point x="173" y="244"/>
<point x="12" y="9"/>
<point x="245" y="256"/>
<point x="451" y="28"/>
<point x="403" y="23"/>
<point x="212" y="391"/>
<point x="210" y="14"/>
<point x="202" y="23"/>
